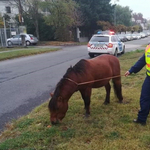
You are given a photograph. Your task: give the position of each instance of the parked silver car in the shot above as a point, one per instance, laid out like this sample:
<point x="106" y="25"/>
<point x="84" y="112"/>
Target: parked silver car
<point x="122" y="37"/>
<point x="16" y="40"/>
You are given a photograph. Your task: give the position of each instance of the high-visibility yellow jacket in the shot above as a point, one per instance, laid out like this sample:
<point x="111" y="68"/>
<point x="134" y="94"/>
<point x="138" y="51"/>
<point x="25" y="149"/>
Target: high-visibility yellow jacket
<point x="147" y="59"/>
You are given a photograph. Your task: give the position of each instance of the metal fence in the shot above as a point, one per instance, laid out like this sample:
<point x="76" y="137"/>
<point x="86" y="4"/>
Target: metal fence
<point x="6" y="33"/>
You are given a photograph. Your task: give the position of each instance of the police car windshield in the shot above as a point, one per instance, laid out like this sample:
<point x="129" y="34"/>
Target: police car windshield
<point x="99" y="39"/>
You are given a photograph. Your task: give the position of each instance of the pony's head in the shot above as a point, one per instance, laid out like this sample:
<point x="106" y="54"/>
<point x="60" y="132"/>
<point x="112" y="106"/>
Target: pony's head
<point x="58" y="104"/>
<point x="58" y="107"/>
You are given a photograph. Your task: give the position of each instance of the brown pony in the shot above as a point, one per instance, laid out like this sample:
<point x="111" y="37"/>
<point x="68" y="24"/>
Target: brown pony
<point x="84" y="76"/>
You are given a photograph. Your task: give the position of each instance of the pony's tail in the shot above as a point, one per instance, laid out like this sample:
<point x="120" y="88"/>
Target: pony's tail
<point x="118" y="88"/>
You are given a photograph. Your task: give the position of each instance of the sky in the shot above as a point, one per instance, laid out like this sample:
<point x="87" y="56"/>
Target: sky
<point x="137" y="6"/>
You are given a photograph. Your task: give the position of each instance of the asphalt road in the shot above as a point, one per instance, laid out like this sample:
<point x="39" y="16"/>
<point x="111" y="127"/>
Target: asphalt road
<point x="26" y="82"/>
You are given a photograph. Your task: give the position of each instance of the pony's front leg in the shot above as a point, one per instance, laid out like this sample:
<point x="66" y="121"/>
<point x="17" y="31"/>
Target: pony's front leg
<point x="107" y="88"/>
<point x="86" y="96"/>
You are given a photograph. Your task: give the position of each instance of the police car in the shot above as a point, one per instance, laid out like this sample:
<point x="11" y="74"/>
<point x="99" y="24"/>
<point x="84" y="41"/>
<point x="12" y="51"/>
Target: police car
<point x="105" y="42"/>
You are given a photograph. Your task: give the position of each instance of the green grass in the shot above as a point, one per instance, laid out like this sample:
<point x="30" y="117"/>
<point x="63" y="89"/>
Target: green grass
<point x="18" y="51"/>
<point x="15" y="48"/>
<point x="109" y="127"/>
<point x="15" y="52"/>
<point x="59" y="43"/>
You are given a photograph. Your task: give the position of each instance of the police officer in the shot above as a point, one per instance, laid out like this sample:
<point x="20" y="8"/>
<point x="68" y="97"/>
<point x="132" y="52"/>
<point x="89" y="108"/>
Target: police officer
<point x="145" y="92"/>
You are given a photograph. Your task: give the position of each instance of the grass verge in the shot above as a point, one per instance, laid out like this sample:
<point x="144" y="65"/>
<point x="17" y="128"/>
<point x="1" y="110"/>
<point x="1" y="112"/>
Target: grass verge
<point x="58" y="43"/>
<point x="14" y="53"/>
<point x="109" y="127"/>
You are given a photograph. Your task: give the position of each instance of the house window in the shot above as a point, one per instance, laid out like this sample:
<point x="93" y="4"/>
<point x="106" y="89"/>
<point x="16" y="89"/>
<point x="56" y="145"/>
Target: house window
<point x="8" y="9"/>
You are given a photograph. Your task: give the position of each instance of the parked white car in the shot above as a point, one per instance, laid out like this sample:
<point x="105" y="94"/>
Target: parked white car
<point x="143" y="35"/>
<point x="16" y="40"/>
<point x="138" y="36"/>
<point x="129" y="37"/>
<point x="105" y="43"/>
<point x="134" y="36"/>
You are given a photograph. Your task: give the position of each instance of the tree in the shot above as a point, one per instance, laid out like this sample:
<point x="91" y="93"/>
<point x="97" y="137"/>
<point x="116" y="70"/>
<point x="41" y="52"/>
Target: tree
<point x="104" y="25"/>
<point x="135" y="28"/>
<point x="124" y="15"/>
<point x="138" y="16"/>
<point x="63" y="15"/>
<point x="93" y="11"/>
<point x="33" y="11"/>
<point x="1" y="22"/>
<point x="121" y="28"/>
<point x="46" y="32"/>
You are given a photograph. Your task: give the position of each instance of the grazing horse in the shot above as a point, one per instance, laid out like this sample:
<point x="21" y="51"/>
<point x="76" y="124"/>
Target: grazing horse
<point x="85" y="75"/>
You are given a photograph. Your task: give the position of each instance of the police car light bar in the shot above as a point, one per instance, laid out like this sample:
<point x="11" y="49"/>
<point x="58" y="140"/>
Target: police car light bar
<point x="106" y="32"/>
<point x="112" y="32"/>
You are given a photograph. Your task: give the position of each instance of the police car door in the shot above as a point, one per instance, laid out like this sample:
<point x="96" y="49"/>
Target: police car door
<point x="120" y="45"/>
<point x="115" y="43"/>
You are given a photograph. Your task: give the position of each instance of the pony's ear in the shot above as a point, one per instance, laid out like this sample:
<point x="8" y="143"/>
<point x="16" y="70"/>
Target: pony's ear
<point x="51" y="94"/>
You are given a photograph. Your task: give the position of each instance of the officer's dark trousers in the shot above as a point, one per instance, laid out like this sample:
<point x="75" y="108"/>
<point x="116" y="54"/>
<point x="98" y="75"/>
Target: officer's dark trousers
<point x="145" y="100"/>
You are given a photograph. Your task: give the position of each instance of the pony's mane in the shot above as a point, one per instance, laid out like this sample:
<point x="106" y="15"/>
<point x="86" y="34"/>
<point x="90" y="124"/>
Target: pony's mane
<point x="78" y="68"/>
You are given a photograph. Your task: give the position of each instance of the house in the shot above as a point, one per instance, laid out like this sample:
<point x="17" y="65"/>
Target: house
<point x="9" y="7"/>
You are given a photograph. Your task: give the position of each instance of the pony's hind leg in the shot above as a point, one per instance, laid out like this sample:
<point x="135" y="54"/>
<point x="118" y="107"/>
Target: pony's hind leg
<point x="118" y="88"/>
<point x="107" y="88"/>
<point x="86" y="96"/>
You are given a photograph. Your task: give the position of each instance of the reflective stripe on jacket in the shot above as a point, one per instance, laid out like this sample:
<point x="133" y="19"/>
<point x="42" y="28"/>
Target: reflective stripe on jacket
<point x="147" y="59"/>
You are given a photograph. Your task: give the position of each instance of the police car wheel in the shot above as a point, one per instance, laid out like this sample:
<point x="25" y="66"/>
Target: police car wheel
<point x="115" y="54"/>
<point x="123" y="50"/>
<point x="91" y="55"/>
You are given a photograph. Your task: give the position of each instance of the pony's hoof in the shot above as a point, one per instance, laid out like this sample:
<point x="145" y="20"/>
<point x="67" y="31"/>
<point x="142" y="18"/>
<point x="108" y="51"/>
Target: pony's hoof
<point x="106" y="103"/>
<point x="120" y="102"/>
<point x="87" y="115"/>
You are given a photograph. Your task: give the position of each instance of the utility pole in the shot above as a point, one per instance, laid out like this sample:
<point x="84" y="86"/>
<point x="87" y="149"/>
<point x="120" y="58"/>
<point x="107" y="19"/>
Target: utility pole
<point x="115" y="11"/>
<point x="5" y="30"/>
<point x="115" y="16"/>
<point x="20" y="12"/>
<point x="21" y="22"/>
